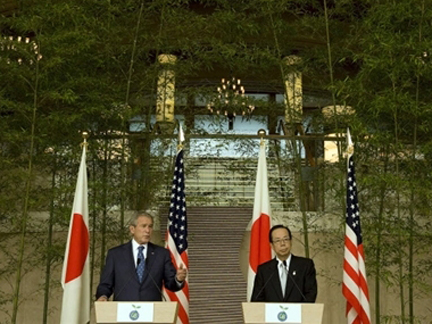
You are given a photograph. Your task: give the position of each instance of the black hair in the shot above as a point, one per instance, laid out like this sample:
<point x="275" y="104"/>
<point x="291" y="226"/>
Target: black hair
<point x="275" y="228"/>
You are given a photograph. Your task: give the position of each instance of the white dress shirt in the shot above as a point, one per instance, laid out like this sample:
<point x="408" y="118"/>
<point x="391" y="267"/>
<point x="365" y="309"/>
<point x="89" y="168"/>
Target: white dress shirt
<point x="135" y="247"/>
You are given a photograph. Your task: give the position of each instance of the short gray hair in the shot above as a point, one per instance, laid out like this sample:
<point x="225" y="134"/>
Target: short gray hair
<point x="133" y="220"/>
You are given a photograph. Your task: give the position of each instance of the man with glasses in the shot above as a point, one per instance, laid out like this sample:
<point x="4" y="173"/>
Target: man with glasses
<point x="286" y="278"/>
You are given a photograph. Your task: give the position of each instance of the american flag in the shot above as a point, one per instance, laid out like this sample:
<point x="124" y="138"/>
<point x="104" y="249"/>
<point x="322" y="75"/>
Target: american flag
<point x="354" y="285"/>
<point x="176" y="237"/>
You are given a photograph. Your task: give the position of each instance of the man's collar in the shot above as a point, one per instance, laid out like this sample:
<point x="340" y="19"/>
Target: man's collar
<point x="288" y="260"/>
<point x="135" y="245"/>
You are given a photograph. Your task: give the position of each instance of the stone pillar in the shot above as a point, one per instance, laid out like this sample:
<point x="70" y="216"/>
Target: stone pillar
<point x="293" y="90"/>
<point x="339" y="115"/>
<point x="165" y="94"/>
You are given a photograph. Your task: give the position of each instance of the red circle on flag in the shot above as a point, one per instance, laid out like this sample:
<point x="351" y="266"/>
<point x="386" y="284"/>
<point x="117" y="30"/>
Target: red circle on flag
<point x="78" y="248"/>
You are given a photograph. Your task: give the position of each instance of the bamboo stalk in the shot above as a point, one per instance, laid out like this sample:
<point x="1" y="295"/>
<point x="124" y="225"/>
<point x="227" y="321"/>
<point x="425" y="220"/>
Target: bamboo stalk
<point x="49" y="247"/>
<point x="28" y="186"/>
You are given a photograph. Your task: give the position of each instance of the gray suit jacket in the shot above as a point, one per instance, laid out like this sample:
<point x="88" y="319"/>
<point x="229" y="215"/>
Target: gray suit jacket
<point x="301" y="283"/>
<point x="119" y="274"/>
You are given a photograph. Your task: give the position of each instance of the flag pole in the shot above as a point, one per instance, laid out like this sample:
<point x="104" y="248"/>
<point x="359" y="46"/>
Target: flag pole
<point x="354" y="282"/>
<point x="85" y="135"/>
<point x="176" y="235"/>
<point x="75" y="276"/>
<point x="259" y="246"/>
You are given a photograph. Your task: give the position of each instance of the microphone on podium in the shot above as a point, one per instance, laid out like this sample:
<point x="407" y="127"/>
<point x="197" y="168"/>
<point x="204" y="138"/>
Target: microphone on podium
<point x="255" y="298"/>
<point x="154" y="282"/>
<point x="129" y="280"/>
<point x="295" y="284"/>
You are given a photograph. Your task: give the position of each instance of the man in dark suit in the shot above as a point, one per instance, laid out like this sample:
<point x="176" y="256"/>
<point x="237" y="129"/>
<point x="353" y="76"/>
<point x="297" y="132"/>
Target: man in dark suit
<point x="286" y="278"/>
<point x="136" y="270"/>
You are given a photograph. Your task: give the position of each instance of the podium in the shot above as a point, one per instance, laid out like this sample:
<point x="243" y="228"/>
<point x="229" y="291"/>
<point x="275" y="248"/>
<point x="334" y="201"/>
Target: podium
<point x="163" y="312"/>
<point x="255" y="313"/>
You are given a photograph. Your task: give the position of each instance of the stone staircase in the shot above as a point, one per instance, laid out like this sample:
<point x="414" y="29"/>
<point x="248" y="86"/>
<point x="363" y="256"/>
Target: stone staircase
<point x="217" y="285"/>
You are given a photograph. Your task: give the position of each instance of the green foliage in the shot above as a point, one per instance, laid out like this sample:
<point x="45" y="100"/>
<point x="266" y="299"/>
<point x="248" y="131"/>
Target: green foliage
<point x="98" y="68"/>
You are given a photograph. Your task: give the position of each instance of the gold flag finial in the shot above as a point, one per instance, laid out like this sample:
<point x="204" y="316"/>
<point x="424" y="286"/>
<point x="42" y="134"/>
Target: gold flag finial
<point x="261" y="134"/>
<point x="85" y="135"/>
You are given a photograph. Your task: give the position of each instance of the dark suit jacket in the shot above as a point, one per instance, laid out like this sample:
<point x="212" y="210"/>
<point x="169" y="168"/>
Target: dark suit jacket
<point x="301" y="277"/>
<point x="119" y="275"/>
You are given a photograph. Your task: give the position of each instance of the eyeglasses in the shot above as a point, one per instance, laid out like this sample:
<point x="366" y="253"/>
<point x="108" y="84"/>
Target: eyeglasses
<point x="280" y="241"/>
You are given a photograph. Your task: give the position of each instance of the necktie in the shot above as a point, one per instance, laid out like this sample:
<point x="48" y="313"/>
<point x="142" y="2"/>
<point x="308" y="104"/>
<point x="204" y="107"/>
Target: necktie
<point x="283" y="276"/>
<point x="140" y="263"/>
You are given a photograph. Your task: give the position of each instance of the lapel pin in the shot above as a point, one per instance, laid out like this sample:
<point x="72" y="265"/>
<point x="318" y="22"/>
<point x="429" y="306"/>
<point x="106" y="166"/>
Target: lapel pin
<point x="294" y="273"/>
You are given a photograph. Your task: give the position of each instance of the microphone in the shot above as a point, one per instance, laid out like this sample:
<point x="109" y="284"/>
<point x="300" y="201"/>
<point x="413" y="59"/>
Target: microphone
<point x="295" y="284"/>
<point x="128" y="281"/>
<point x="262" y="288"/>
<point x="105" y="276"/>
<point x="154" y="282"/>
